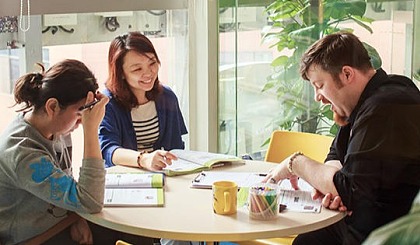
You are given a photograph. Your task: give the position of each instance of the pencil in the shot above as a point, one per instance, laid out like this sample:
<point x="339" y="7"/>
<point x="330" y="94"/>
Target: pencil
<point x="89" y="105"/>
<point x="259" y="208"/>
<point x="164" y="156"/>
<point x="270" y="204"/>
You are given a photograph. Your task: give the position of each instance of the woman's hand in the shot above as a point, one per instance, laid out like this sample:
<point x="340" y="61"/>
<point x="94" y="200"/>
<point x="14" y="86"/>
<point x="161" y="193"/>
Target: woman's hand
<point x="157" y="160"/>
<point x="80" y="232"/>
<point x="92" y="116"/>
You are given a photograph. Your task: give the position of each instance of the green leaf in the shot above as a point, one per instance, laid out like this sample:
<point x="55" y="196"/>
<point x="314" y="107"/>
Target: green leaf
<point x="327" y="113"/>
<point x="334" y="129"/>
<point x="280" y="61"/>
<point x="268" y="86"/>
<point x="341" y="9"/>
<point x="362" y="24"/>
<point x="375" y="59"/>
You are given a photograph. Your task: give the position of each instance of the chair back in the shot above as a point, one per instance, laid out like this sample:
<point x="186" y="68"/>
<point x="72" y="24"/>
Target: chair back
<point x="121" y="242"/>
<point x="284" y="143"/>
<point x="54" y="230"/>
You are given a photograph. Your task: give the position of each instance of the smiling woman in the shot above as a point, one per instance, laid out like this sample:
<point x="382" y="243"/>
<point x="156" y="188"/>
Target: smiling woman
<point x="140" y="71"/>
<point x="143" y="115"/>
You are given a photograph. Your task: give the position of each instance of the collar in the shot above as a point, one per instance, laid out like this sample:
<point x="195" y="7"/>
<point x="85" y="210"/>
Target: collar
<point x="376" y="81"/>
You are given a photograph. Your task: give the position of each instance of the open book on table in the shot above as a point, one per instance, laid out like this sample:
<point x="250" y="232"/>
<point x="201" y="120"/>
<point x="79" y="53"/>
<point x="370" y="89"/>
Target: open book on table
<point x="290" y="199"/>
<point x="299" y="200"/>
<point x="197" y="161"/>
<point x="134" y="189"/>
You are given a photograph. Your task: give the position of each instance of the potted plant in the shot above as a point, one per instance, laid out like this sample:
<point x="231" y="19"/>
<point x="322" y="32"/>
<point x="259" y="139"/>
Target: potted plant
<point x="296" y="24"/>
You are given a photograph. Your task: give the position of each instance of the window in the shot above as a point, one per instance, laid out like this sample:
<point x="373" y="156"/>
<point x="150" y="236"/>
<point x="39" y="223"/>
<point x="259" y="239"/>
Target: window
<point x="86" y="37"/>
<point x="247" y="114"/>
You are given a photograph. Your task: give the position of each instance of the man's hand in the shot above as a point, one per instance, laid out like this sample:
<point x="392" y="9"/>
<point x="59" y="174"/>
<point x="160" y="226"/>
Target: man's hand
<point x="330" y="202"/>
<point x="280" y="172"/>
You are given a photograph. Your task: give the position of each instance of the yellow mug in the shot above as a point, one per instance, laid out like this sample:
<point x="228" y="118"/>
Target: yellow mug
<point x="224" y="197"/>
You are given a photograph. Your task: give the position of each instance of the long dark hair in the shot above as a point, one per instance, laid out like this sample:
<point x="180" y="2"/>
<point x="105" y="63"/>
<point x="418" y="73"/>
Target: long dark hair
<point x="68" y="81"/>
<point x="118" y="86"/>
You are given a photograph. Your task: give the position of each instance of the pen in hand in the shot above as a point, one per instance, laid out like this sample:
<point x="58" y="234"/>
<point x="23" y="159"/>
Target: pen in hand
<point x="167" y="156"/>
<point x="89" y="105"/>
<point x="164" y="156"/>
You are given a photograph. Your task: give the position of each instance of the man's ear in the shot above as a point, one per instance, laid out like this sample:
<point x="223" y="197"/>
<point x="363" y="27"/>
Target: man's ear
<point x="52" y="106"/>
<point x="348" y="73"/>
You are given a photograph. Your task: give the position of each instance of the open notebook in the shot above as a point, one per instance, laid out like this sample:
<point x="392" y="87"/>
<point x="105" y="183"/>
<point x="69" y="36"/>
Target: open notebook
<point x="197" y="161"/>
<point x="134" y="189"/>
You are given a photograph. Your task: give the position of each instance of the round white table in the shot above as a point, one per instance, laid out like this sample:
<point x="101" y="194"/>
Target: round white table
<point x="188" y="214"/>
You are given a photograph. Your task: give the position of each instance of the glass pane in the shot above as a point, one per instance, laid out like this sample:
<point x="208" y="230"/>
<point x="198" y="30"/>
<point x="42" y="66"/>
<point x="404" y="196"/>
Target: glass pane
<point x="258" y="94"/>
<point x="416" y="43"/>
<point x="245" y="110"/>
<point x="9" y="69"/>
<point x="86" y="37"/>
<point x="167" y="29"/>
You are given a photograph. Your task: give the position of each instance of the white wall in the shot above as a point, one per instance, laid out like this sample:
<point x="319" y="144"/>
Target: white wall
<point x="12" y="7"/>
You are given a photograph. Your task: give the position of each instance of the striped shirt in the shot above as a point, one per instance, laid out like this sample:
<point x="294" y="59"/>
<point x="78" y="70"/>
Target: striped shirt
<point x="146" y="125"/>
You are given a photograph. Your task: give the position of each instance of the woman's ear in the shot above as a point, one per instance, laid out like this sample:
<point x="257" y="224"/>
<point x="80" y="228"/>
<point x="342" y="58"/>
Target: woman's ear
<point x="52" y="106"/>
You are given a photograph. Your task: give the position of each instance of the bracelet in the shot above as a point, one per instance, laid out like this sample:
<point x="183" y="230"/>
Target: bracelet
<point x="139" y="158"/>
<point x="292" y="158"/>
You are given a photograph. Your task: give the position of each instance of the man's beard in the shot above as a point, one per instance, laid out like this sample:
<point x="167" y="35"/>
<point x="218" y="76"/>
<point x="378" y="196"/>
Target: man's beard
<point x="340" y="120"/>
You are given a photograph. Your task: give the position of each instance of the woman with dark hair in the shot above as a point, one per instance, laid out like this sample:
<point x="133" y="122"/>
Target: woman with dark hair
<point x="143" y="116"/>
<point x="36" y="183"/>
